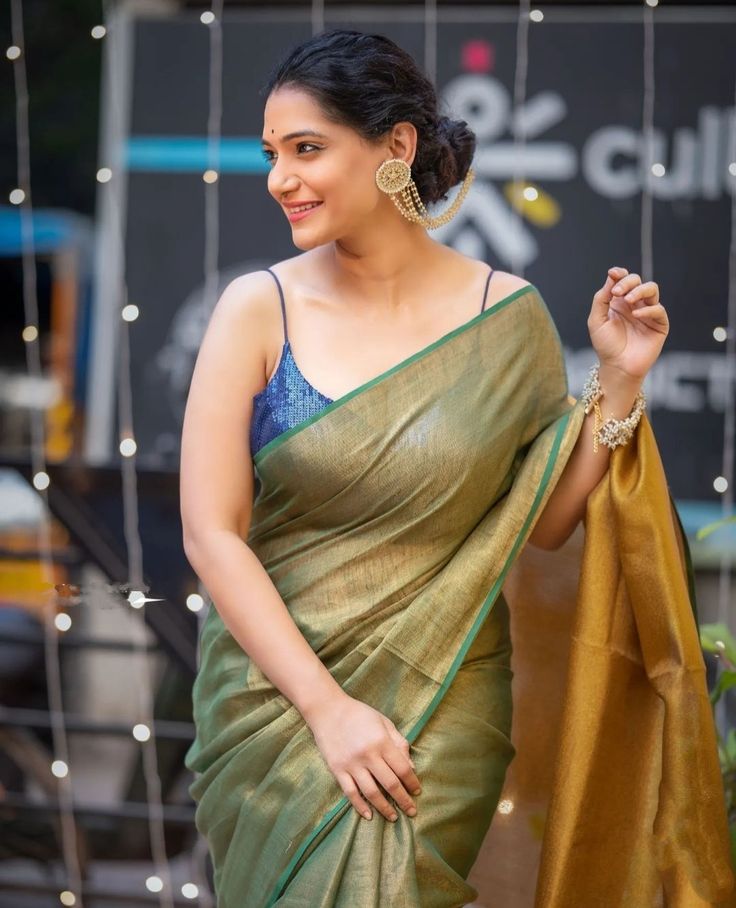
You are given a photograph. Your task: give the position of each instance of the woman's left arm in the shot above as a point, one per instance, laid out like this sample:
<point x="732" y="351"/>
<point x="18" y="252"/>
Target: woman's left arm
<point x="628" y="326"/>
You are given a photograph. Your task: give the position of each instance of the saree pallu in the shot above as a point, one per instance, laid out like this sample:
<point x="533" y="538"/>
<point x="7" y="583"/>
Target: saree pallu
<point x="562" y="693"/>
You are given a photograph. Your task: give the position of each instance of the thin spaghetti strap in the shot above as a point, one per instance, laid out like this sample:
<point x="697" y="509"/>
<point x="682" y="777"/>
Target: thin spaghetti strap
<point x="283" y="306"/>
<point x="485" y="294"/>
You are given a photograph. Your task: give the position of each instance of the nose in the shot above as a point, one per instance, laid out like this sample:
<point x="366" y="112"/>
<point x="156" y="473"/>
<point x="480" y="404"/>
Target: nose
<point x="281" y="183"/>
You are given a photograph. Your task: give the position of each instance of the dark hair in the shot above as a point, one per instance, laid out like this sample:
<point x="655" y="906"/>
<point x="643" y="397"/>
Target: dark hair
<point x="368" y="83"/>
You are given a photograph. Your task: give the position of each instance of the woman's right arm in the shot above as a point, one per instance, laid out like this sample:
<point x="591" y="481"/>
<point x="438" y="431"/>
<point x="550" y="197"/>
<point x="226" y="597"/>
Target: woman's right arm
<point x="216" y="494"/>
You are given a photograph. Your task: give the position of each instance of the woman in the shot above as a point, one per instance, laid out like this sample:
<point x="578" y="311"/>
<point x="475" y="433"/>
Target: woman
<point x="354" y="700"/>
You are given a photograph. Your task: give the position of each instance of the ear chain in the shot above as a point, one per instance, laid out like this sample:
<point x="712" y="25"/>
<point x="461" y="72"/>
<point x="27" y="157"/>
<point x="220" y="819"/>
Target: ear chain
<point x="394" y="178"/>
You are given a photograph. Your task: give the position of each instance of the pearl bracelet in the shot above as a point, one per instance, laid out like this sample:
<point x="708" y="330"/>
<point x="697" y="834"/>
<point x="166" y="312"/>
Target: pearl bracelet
<point x="612" y="432"/>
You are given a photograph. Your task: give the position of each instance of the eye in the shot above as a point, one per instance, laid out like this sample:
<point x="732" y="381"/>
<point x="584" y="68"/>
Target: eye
<point x="269" y="155"/>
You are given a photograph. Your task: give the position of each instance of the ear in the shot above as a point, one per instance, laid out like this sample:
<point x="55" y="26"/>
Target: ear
<point x="403" y="142"/>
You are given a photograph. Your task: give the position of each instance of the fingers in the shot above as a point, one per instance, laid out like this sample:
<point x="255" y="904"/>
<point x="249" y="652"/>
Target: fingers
<point x="352" y="791"/>
<point x="599" y="311"/>
<point x="367" y="781"/>
<point x="625" y="284"/>
<point x="391" y="783"/>
<point x="642" y="291"/>
<point x="361" y="786"/>
<point x="614" y="275"/>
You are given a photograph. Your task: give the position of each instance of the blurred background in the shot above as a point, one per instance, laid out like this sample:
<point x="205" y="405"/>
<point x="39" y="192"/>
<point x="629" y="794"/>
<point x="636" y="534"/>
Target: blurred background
<point x="133" y="190"/>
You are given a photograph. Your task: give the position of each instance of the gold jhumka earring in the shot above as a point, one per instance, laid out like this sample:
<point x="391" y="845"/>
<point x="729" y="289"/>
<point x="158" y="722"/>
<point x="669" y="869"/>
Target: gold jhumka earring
<point x="394" y="178"/>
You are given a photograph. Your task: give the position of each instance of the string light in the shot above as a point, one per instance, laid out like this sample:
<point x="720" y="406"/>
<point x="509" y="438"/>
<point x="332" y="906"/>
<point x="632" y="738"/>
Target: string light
<point x="21" y="195"/>
<point x="160" y="882"/>
<point x="62" y="622"/>
<point x="195" y="602"/>
<point x="98" y="31"/>
<point x="211" y="268"/>
<point x="137" y="599"/>
<point x="41" y="480"/>
<point x="519" y="135"/>
<point x="430" y="40"/>
<point x="536" y="15"/>
<point x="154" y="884"/>
<point x="128" y="447"/>
<point x="60" y="769"/>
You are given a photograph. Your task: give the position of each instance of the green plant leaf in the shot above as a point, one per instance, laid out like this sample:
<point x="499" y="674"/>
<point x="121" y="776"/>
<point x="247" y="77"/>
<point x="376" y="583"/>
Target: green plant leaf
<point x="726" y="680"/>
<point x="710" y="634"/>
<point x="731" y="744"/>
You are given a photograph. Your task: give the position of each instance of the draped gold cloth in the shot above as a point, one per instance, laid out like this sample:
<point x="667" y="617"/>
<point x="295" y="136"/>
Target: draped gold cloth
<point x="393" y="524"/>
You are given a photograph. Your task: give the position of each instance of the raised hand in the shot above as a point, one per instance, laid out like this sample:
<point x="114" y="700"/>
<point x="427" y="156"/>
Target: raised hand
<point x="627" y="323"/>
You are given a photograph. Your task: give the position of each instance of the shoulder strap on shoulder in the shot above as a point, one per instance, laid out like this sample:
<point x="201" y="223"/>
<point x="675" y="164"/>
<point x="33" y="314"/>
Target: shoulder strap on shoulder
<point x="485" y="294"/>
<point x="283" y="305"/>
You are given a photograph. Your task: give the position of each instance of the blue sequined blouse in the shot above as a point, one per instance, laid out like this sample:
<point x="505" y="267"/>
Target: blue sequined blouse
<point x="288" y="398"/>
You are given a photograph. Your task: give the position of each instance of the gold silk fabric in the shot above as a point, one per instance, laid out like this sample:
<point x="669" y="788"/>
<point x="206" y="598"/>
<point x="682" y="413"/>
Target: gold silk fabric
<point x="561" y="695"/>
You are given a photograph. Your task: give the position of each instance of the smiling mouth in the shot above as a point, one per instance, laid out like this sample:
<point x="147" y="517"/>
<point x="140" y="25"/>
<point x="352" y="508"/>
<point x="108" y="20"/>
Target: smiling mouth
<point x="299" y="213"/>
<point x="297" y="208"/>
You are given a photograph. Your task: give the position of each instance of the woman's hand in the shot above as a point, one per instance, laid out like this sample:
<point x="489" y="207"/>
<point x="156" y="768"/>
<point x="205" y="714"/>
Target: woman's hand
<point x="627" y="324"/>
<point x="361" y="747"/>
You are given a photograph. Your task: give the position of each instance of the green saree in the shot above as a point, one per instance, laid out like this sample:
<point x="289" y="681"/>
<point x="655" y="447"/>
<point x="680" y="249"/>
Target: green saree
<point x="393" y="523"/>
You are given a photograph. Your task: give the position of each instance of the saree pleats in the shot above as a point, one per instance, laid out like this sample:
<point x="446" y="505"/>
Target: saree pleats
<point x="393" y="524"/>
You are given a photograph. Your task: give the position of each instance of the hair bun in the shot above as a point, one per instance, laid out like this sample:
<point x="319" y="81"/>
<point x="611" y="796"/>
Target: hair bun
<point x="459" y="140"/>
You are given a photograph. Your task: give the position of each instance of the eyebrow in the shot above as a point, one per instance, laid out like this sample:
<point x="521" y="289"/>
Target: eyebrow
<point x="297" y="135"/>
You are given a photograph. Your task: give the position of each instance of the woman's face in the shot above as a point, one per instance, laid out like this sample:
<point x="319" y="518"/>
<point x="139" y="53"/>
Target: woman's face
<point x="325" y="163"/>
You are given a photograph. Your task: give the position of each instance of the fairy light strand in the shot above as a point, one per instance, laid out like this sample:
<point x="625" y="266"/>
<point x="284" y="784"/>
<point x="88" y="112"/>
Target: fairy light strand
<point x="646" y="226"/>
<point x="211" y="285"/>
<point x="160" y="882"/>
<point x="517" y="122"/>
<point x="725" y="577"/>
<point x="430" y="40"/>
<point x="318" y="16"/>
<point x="60" y="766"/>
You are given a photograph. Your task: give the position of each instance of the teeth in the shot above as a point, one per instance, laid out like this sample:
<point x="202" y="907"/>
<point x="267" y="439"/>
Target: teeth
<point x="305" y="207"/>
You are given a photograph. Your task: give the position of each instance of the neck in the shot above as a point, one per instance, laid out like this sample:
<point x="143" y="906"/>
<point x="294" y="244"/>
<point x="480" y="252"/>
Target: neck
<point x="382" y="265"/>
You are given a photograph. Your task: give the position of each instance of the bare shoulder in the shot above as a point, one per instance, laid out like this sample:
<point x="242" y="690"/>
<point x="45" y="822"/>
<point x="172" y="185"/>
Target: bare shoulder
<point x="238" y="343"/>
<point x="504" y="282"/>
<point x="248" y="298"/>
